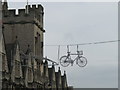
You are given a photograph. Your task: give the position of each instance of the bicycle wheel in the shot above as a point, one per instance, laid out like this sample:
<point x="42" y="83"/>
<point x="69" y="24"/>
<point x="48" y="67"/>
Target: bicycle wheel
<point x="82" y="61"/>
<point x="64" y="61"/>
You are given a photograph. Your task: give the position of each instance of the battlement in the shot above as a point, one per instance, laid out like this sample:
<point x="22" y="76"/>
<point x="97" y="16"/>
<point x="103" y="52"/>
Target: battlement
<point x="34" y="11"/>
<point x="37" y="8"/>
<point x="11" y="12"/>
<point x="34" y="6"/>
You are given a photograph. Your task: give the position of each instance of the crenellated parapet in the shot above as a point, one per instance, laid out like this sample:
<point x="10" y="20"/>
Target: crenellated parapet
<point x="37" y="8"/>
<point x="34" y="11"/>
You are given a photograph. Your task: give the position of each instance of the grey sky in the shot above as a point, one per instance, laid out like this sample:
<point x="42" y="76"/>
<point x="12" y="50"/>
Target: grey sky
<point x="71" y="23"/>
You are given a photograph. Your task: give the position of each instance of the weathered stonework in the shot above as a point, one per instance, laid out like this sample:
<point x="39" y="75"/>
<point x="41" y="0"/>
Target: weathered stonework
<point x="22" y="52"/>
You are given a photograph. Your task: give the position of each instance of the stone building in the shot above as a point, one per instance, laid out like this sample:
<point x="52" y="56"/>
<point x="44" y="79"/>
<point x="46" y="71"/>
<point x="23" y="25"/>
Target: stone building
<point x="3" y="58"/>
<point x="52" y="79"/>
<point x="22" y="51"/>
<point x="58" y="80"/>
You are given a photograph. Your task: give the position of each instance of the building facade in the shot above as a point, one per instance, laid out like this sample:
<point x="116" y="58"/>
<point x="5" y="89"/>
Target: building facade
<point x="22" y="51"/>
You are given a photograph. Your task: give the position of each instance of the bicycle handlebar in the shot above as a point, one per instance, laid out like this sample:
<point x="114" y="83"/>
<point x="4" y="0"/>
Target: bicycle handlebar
<point x="78" y="53"/>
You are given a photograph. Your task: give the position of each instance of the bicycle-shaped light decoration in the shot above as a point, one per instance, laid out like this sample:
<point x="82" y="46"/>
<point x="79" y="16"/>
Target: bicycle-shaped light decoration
<point x="80" y="60"/>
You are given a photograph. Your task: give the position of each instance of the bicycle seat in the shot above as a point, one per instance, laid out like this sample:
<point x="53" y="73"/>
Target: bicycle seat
<point x="68" y="52"/>
<point x="80" y="52"/>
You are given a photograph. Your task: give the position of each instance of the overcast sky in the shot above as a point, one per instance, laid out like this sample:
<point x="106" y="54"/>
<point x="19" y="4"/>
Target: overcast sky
<point x="83" y="22"/>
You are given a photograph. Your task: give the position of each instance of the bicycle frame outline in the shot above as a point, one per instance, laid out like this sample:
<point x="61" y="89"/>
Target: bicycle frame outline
<point x="73" y="60"/>
<point x="80" y="60"/>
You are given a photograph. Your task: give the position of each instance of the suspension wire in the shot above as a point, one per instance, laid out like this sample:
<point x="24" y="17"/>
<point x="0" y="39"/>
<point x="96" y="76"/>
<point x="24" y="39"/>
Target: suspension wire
<point x="68" y="48"/>
<point x="58" y="52"/>
<point x="103" y="42"/>
<point x="77" y="47"/>
<point x="35" y="65"/>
